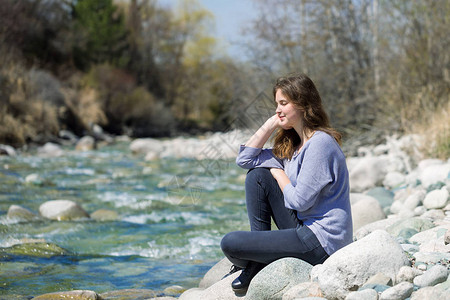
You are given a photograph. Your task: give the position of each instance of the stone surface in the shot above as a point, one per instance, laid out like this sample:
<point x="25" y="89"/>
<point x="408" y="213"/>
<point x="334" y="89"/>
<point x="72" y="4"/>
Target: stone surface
<point x="431" y="277"/>
<point x="436" y="199"/>
<point x="398" y="292"/>
<point x="216" y="273"/>
<point x="394" y="179"/>
<point x="366" y="211"/>
<point x="86" y="143"/>
<point x="7" y="150"/>
<point x="50" y="150"/>
<point x="367" y="294"/>
<point x="430" y="293"/>
<point x="350" y="267"/>
<point x="128" y="294"/>
<point x="21" y="214"/>
<point x="303" y="290"/>
<point x="419" y="224"/>
<point x="62" y="210"/>
<point x="432" y="172"/>
<point x="220" y="290"/>
<point x="105" y="215"/>
<point x="381" y="224"/>
<point x="415" y="199"/>
<point x="277" y="278"/>
<point x="75" y="295"/>
<point x="36" y="249"/>
<point x="379" y="278"/>
<point x="367" y="172"/>
<point x="407" y="274"/>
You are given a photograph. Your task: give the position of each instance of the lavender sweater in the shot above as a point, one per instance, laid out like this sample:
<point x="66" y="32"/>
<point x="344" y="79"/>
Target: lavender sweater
<point x="319" y="188"/>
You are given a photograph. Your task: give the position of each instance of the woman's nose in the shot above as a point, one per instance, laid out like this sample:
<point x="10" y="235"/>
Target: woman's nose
<point x="278" y="109"/>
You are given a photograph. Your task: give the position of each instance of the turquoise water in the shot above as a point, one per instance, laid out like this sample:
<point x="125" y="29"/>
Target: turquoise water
<point x="172" y="216"/>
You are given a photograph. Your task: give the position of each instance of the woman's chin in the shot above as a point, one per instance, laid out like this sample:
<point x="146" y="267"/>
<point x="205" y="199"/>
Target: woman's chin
<point x="286" y="127"/>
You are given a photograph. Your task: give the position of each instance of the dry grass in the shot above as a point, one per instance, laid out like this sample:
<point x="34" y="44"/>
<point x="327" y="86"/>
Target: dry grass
<point x="435" y="130"/>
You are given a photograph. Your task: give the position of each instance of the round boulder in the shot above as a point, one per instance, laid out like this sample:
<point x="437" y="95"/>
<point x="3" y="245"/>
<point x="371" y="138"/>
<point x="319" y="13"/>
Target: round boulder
<point x="350" y="267"/>
<point x="62" y="210"/>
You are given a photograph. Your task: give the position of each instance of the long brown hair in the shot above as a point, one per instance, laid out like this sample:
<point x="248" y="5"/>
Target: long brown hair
<point x="301" y="91"/>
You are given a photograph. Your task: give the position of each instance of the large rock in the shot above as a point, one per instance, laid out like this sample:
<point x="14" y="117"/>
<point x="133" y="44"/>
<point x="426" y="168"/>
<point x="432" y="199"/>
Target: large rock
<point x="7" y="150"/>
<point x="142" y="146"/>
<point x="216" y="273"/>
<point x="277" y="278"/>
<point x="432" y="171"/>
<point x="436" y="199"/>
<point x="431" y="277"/>
<point x="21" y="214"/>
<point x="365" y="211"/>
<point x="384" y="196"/>
<point x="75" y="295"/>
<point x="62" y="210"/>
<point x="400" y="291"/>
<point x="350" y="267"/>
<point x="221" y="290"/>
<point x="368" y="172"/>
<point x="36" y="249"/>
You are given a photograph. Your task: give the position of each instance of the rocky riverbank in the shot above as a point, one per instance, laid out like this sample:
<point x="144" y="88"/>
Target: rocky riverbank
<point x="401" y="210"/>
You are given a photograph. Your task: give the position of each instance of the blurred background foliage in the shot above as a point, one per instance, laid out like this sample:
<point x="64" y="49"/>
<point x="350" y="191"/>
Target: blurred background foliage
<point x="137" y="68"/>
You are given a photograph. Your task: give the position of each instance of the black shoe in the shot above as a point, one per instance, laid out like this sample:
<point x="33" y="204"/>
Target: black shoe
<point x="240" y="284"/>
<point x="233" y="270"/>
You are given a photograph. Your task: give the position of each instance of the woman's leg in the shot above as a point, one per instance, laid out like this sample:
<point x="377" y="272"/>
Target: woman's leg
<point x="264" y="247"/>
<point x="264" y="200"/>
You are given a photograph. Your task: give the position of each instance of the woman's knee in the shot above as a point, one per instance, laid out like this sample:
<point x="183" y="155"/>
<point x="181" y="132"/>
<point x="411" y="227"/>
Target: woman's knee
<point x="229" y="243"/>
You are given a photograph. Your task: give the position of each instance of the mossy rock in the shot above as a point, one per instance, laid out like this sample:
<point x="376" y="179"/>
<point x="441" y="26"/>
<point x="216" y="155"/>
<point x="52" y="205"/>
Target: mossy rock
<point x="34" y="249"/>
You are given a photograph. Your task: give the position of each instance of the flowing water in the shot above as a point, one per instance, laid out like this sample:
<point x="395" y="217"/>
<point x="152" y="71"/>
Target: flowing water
<point x="172" y="216"/>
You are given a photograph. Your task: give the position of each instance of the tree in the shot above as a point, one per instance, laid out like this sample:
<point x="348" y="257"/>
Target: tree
<point x="101" y="34"/>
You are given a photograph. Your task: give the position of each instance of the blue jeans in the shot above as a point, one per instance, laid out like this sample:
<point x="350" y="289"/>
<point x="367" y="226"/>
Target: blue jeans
<point x="262" y="245"/>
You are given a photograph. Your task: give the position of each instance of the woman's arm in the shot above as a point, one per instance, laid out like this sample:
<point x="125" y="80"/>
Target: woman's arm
<point x="260" y="137"/>
<point x="281" y="177"/>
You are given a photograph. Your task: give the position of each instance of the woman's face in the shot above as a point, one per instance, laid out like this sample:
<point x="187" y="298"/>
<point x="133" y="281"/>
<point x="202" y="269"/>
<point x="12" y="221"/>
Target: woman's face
<point x="289" y="116"/>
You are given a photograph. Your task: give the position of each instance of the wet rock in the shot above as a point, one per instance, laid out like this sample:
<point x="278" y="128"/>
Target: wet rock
<point x="173" y="290"/>
<point x="21" y="214"/>
<point x="104" y="215"/>
<point x="128" y="294"/>
<point x="143" y="146"/>
<point x="86" y="143"/>
<point x="35" y="249"/>
<point x="7" y="150"/>
<point x="62" y="210"/>
<point x="277" y="278"/>
<point x="75" y="295"/>
<point x="350" y="267"/>
<point x="400" y="291"/>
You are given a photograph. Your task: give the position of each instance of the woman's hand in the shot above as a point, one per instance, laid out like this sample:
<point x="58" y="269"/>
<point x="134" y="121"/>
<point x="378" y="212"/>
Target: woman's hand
<point x="260" y="137"/>
<point x="280" y="176"/>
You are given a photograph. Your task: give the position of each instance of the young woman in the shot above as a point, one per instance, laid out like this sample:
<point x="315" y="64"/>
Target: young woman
<point x="302" y="183"/>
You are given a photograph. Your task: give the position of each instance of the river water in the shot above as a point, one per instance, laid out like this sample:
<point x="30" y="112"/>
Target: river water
<point x="172" y="216"/>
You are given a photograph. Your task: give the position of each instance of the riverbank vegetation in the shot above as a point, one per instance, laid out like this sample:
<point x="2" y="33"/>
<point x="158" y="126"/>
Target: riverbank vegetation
<point x="138" y="68"/>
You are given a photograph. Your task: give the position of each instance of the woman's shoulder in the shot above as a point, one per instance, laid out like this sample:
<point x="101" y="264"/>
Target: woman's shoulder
<point x="322" y="141"/>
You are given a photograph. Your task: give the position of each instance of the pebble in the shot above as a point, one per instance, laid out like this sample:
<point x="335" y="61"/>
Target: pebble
<point x="400" y="291"/>
<point x="436" y="199"/>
